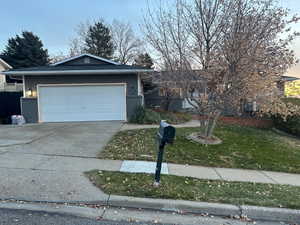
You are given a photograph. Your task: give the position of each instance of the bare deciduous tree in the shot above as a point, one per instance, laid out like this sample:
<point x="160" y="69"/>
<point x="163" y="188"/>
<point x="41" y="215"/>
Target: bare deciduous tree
<point x="77" y="44"/>
<point x="220" y="52"/>
<point x="54" y="58"/>
<point x="127" y="45"/>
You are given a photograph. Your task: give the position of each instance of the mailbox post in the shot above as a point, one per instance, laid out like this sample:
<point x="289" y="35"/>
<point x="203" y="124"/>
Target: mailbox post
<point x="165" y="135"/>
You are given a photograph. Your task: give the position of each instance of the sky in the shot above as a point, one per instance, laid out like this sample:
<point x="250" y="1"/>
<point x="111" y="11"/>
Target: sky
<point x="55" y="21"/>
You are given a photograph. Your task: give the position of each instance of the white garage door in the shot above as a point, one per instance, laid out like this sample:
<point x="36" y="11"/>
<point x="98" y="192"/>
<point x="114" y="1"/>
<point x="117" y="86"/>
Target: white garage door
<point x="81" y="103"/>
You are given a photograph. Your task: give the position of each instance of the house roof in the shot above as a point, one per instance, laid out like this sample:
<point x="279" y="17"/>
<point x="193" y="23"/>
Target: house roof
<point x="65" y="68"/>
<point x="83" y="55"/>
<point x="289" y="78"/>
<point x="5" y="64"/>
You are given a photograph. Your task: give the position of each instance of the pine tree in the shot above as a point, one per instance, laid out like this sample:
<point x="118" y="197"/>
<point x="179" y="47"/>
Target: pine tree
<point x="144" y="60"/>
<point x="99" y="41"/>
<point x="25" y="51"/>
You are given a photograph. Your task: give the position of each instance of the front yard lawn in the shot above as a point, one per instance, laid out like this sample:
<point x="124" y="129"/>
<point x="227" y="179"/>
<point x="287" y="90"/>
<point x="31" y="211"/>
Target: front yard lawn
<point x="242" y="147"/>
<point x="185" y="188"/>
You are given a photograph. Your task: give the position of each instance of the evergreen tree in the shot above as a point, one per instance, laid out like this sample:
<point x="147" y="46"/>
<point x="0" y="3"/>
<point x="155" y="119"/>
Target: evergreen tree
<point x="144" y="60"/>
<point x="25" y="51"/>
<point x="99" y="41"/>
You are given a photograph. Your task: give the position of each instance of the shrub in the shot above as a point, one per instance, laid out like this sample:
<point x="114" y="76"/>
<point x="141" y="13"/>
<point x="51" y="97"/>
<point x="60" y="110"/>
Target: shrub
<point x="175" y="117"/>
<point x="145" y="116"/>
<point x="148" y="116"/>
<point x="291" y="125"/>
<point x="295" y="101"/>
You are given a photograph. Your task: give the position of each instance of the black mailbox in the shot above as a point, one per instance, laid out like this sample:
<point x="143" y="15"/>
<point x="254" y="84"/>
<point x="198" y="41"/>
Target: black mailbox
<point x="166" y="135"/>
<point x="166" y="132"/>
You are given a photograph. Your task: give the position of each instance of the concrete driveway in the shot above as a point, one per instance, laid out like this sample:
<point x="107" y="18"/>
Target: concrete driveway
<point x="45" y="162"/>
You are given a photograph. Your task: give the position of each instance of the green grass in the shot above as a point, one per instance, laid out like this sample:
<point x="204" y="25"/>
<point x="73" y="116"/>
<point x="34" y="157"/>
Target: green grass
<point x="175" y="117"/>
<point x="295" y="101"/>
<point x="242" y="147"/>
<point x="184" y="188"/>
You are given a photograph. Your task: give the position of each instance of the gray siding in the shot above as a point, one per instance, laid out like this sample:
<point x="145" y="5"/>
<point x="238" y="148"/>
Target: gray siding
<point x="132" y="104"/>
<point x="153" y="100"/>
<point x="29" y="108"/>
<point x="31" y="82"/>
<point x="30" y="105"/>
<point x="159" y="101"/>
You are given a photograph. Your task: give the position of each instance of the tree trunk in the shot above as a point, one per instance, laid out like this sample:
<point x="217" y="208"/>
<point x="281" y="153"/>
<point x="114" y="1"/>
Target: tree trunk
<point x="206" y="124"/>
<point x="212" y="121"/>
<point x="166" y="103"/>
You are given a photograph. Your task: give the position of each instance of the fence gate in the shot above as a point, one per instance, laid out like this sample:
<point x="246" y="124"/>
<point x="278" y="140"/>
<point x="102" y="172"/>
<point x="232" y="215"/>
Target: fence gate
<point x="9" y="105"/>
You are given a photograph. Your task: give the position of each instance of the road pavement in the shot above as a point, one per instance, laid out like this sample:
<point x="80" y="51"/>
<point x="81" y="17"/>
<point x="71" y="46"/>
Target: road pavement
<point x="10" y="215"/>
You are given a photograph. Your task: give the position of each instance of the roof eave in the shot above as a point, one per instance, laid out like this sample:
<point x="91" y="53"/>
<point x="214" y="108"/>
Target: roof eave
<point x="85" y="54"/>
<point x="76" y="72"/>
<point x="5" y="64"/>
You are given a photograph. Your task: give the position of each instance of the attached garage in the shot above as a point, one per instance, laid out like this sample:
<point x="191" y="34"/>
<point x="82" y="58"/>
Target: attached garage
<point x="82" y="88"/>
<point x="87" y="102"/>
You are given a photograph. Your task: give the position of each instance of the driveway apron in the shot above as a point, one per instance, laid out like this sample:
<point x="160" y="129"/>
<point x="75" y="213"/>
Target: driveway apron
<point x="45" y="162"/>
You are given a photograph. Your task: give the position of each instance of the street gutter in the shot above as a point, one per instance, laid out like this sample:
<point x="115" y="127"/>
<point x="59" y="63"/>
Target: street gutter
<point x="182" y="206"/>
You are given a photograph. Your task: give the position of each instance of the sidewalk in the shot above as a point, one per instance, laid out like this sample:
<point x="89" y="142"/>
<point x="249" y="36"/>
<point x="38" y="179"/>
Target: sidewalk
<point x="60" y="164"/>
<point x="65" y="166"/>
<point x="127" y="126"/>
<point x="211" y="173"/>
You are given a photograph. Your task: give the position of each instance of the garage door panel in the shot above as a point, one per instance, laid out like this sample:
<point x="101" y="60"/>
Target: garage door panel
<point x="82" y="103"/>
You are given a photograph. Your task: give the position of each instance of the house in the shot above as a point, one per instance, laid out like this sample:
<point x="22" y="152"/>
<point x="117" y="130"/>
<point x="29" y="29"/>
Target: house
<point x="81" y="88"/>
<point x="291" y="86"/>
<point x="7" y="84"/>
<point x="3" y="66"/>
<point x="286" y="80"/>
<point x="173" y="99"/>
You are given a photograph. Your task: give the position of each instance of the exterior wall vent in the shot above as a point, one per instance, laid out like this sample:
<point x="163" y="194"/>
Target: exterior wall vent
<point x="87" y="60"/>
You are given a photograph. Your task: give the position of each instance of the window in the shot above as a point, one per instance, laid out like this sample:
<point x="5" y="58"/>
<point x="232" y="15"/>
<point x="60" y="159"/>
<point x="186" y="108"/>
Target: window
<point x="170" y="92"/>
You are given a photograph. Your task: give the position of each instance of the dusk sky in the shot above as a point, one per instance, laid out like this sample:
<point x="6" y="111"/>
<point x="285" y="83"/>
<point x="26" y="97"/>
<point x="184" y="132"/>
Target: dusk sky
<point x="54" y="21"/>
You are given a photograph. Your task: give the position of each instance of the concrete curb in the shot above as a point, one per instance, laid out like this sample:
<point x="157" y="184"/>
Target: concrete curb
<point x="202" y="208"/>
<point x="174" y="205"/>
<point x="273" y="214"/>
<point x="216" y="209"/>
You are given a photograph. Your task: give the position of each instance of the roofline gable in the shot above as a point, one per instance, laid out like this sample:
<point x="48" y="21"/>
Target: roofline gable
<point x="5" y="64"/>
<point x="78" y="72"/>
<point x="82" y="55"/>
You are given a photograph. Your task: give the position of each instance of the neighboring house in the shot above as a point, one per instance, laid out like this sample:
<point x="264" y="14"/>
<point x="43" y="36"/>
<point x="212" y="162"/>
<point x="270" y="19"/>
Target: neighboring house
<point x="7" y="84"/>
<point x="158" y="99"/>
<point x="3" y="66"/>
<point x="291" y="86"/>
<point x="81" y="88"/>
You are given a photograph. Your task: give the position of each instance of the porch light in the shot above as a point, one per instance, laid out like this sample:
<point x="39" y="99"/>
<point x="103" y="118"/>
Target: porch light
<point x="29" y="93"/>
<point x="33" y="93"/>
